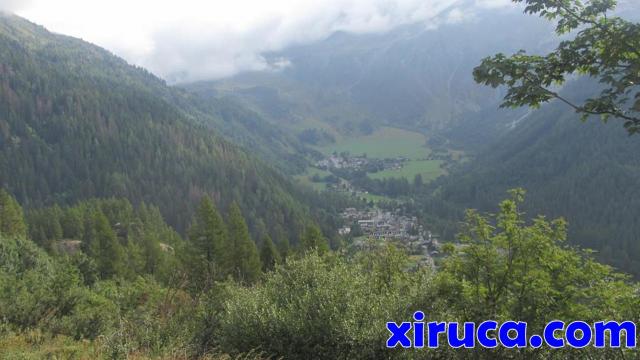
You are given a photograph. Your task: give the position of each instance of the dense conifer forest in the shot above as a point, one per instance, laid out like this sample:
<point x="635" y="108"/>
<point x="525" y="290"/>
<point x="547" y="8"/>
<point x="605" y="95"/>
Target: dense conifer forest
<point x="77" y="123"/>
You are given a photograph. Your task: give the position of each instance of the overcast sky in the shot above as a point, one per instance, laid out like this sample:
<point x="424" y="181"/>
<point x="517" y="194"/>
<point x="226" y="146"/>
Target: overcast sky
<point x="196" y="40"/>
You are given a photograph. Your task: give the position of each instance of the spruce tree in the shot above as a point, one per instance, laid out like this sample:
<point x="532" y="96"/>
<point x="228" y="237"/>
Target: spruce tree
<point x="243" y="259"/>
<point x="284" y="248"/>
<point x="282" y="241"/>
<point x="208" y="237"/>
<point x="100" y="243"/>
<point x="269" y="254"/>
<point x="11" y="216"/>
<point x="151" y="252"/>
<point x="314" y="240"/>
<point x="72" y="224"/>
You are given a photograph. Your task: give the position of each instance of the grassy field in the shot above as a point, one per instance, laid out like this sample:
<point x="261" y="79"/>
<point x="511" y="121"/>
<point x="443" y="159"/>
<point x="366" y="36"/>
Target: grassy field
<point x="305" y="178"/>
<point x="373" y="197"/>
<point x="389" y="142"/>
<point x="429" y="169"/>
<point x="385" y="142"/>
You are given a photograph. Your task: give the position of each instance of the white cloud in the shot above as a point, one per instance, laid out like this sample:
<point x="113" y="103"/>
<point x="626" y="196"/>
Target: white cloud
<point x="192" y="40"/>
<point x="13" y="5"/>
<point x="493" y="4"/>
<point x="456" y="16"/>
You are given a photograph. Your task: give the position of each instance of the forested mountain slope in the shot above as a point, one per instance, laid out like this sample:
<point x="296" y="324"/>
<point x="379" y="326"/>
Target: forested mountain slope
<point x="588" y="173"/>
<point x="77" y="122"/>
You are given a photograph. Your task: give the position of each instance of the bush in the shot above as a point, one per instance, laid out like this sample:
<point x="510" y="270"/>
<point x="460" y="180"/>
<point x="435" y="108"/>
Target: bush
<point x="322" y="307"/>
<point x="92" y="315"/>
<point x="153" y="320"/>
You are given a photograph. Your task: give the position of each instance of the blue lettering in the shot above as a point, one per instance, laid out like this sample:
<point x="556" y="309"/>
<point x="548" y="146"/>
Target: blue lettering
<point x="468" y="337"/>
<point x="615" y="334"/>
<point x="549" y="334"/>
<point x="435" y="328"/>
<point x="398" y="334"/>
<point x="520" y="338"/>
<point x="573" y="340"/>
<point x="483" y="334"/>
<point x="418" y="330"/>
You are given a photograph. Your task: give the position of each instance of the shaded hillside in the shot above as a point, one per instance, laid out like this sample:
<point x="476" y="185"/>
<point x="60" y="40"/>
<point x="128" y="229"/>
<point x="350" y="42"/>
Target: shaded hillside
<point x="78" y="122"/>
<point x="588" y="173"/>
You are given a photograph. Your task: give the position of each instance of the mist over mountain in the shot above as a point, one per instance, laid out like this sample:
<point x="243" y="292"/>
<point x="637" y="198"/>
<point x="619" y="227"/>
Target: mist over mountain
<point x="414" y="77"/>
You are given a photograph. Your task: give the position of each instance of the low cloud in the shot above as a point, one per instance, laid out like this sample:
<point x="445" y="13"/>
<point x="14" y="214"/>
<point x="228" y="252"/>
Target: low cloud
<point x="11" y="6"/>
<point x="195" y="40"/>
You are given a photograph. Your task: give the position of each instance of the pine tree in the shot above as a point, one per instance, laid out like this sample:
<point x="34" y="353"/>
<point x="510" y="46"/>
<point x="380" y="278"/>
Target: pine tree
<point x="284" y="248"/>
<point x="208" y="236"/>
<point x="72" y="224"/>
<point x="269" y="254"/>
<point x="44" y="225"/>
<point x="314" y="240"/>
<point x="55" y="215"/>
<point x="243" y="259"/>
<point x="11" y="216"/>
<point x="101" y="243"/>
<point x="151" y="253"/>
<point x="281" y="241"/>
<point x="134" y="260"/>
<point x="159" y="243"/>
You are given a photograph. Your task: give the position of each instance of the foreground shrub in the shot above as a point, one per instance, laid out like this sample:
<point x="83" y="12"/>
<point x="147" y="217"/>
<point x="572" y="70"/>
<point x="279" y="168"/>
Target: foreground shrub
<point x="322" y="307"/>
<point x="37" y="291"/>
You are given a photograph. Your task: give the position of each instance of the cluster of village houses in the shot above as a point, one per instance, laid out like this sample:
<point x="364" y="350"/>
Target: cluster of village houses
<point x="346" y="161"/>
<point x="391" y="225"/>
<point x="336" y="161"/>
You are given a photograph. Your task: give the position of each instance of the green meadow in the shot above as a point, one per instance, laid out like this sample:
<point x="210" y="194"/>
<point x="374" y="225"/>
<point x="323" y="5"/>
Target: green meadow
<point x="388" y="142"/>
<point x="305" y="178"/>
<point x="385" y="142"/>
<point x="429" y="169"/>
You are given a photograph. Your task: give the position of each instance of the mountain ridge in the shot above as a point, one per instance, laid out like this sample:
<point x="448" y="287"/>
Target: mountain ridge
<point x="77" y="122"/>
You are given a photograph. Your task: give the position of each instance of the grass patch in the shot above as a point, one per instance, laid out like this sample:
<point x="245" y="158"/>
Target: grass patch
<point x="373" y="197"/>
<point x="388" y="142"/>
<point x="385" y="142"/>
<point x="305" y="178"/>
<point x="35" y="345"/>
<point x="429" y="169"/>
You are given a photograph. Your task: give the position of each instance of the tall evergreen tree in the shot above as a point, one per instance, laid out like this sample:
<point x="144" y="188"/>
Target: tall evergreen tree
<point x="100" y="243"/>
<point x="152" y="253"/>
<point x="44" y="225"/>
<point x="208" y="236"/>
<point x="243" y="259"/>
<point x="269" y="254"/>
<point x="11" y="216"/>
<point x="72" y="224"/>
<point x="314" y="240"/>
<point x="284" y="248"/>
<point x="158" y="242"/>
